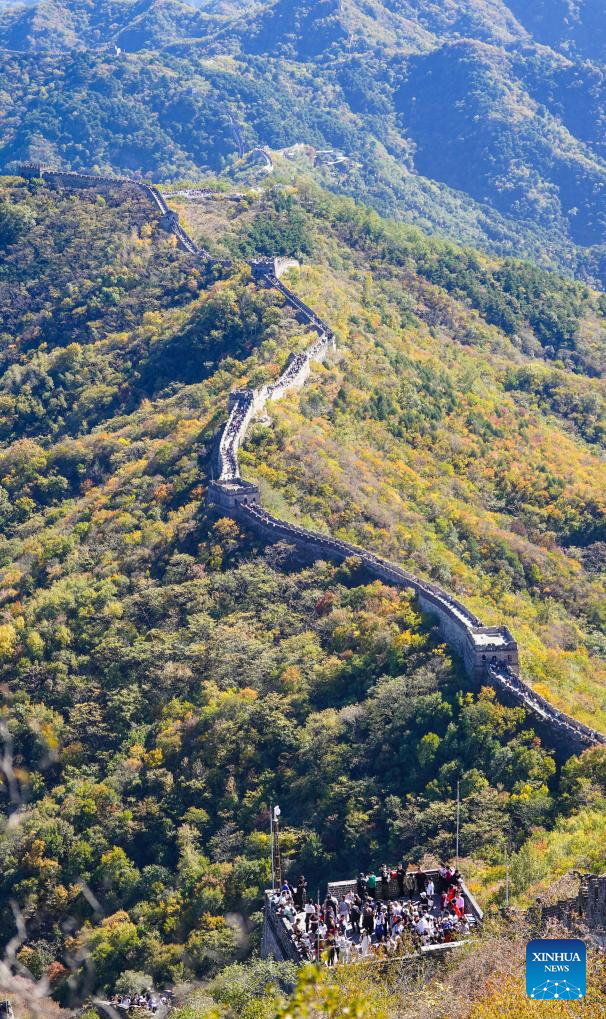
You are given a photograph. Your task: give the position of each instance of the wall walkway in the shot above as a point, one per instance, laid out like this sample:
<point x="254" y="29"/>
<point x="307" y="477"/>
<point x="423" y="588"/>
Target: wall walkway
<point x="490" y="653"/>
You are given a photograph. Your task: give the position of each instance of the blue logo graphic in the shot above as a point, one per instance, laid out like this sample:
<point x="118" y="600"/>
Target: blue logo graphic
<point x="556" y="968"/>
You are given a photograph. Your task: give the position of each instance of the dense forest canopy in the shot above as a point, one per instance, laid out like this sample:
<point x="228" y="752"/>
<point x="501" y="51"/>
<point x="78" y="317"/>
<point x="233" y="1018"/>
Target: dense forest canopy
<point x="478" y="119"/>
<point x="165" y="677"/>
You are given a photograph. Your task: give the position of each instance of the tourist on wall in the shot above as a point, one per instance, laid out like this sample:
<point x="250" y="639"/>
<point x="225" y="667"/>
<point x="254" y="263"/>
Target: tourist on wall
<point x="353" y="926"/>
<point x="385" y="877"/>
<point x="400" y="878"/>
<point x="410" y="885"/>
<point x="300" y="892"/>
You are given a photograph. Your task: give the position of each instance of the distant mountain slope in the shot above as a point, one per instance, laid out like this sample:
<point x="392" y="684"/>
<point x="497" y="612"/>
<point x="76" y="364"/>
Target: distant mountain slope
<point x="572" y="27"/>
<point x="466" y="101"/>
<point x="488" y="20"/>
<point x="480" y="119"/>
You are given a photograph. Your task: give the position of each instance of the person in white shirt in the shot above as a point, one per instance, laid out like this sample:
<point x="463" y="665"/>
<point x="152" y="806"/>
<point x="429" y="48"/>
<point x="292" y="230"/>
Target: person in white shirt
<point x="309" y="910"/>
<point x="344" y="945"/>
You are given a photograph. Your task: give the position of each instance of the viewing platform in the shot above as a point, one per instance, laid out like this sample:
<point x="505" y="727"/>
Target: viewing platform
<point x="423" y="914"/>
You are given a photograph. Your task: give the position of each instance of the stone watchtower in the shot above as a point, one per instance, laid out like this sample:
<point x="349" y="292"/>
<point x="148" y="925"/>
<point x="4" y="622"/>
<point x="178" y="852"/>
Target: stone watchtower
<point x="169" y="221"/>
<point x="229" y="495"/>
<point x="29" y="171"/>
<point x="489" y="646"/>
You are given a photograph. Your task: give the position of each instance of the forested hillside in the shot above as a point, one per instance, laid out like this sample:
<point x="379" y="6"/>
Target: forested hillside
<point x="481" y="449"/>
<point x="165" y="677"/>
<point x="481" y="120"/>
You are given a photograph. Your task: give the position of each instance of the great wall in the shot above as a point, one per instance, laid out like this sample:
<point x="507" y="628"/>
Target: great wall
<point x="489" y="653"/>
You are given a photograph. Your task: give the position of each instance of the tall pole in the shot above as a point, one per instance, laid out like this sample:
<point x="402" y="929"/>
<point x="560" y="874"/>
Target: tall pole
<point x="277" y="860"/>
<point x="507" y="876"/>
<point x="458" y="820"/>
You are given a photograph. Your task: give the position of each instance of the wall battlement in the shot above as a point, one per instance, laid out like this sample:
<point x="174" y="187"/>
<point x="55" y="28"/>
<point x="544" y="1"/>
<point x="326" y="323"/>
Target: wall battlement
<point x="168" y="219"/>
<point x="490" y="653"/>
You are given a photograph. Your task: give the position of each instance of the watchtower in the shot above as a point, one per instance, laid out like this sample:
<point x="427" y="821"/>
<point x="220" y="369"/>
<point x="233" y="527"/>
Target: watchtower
<point x="229" y="495"/>
<point x="488" y="646"/>
<point x="169" y="221"/>
<point x="29" y="171"/>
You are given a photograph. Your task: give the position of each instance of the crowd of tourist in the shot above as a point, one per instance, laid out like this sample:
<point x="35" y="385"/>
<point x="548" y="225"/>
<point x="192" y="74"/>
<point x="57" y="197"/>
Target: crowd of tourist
<point x="137" y="1004"/>
<point x="387" y="914"/>
<point x="229" y="438"/>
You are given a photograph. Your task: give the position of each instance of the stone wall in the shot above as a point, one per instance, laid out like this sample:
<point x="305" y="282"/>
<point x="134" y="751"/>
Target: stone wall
<point x="276" y="942"/>
<point x="168" y="220"/>
<point x="264" y="155"/>
<point x="565" y="734"/>
<point x="479" y="646"/>
<point x="489" y="653"/>
<point x="595" y="902"/>
<point x="584" y="914"/>
<point x="245" y="403"/>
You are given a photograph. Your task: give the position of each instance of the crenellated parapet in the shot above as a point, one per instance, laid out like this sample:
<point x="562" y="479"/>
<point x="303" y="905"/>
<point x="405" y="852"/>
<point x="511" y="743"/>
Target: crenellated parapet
<point x="490" y="653"/>
<point x="565" y="733"/>
<point x="168" y="219"/>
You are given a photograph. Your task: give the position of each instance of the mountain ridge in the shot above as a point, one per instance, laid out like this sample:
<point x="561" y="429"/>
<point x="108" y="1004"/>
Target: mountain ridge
<point x="167" y="676"/>
<point x="410" y="115"/>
